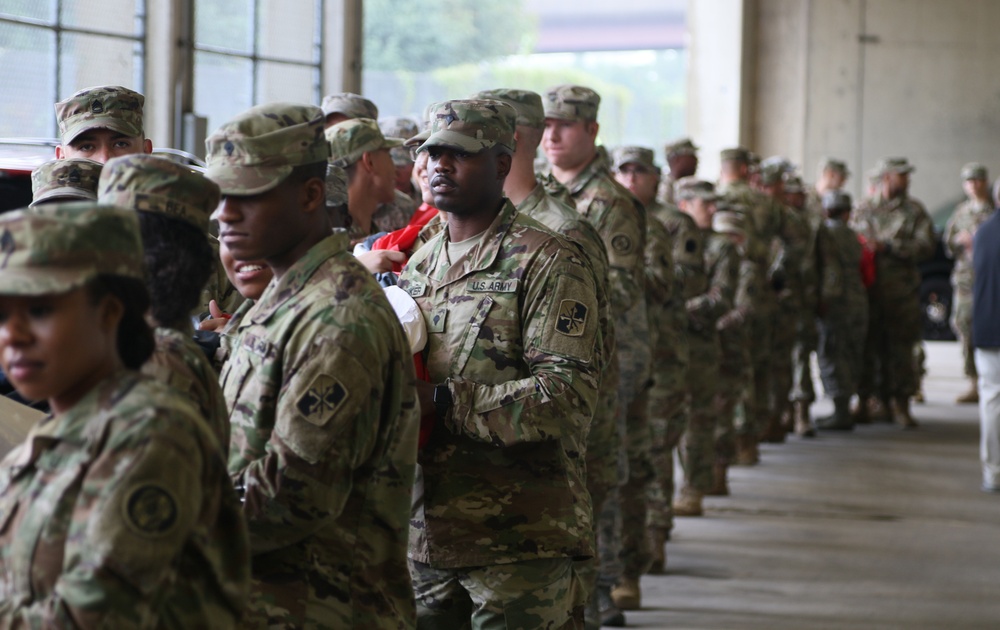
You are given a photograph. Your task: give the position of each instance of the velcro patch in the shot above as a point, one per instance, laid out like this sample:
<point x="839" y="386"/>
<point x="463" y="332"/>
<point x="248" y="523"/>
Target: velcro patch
<point x="572" y="319"/>
<point x="492" y="286"/>
<point x="416" y="288"/>
<point x="150" y="510"/>
<point x="321" y="400"/>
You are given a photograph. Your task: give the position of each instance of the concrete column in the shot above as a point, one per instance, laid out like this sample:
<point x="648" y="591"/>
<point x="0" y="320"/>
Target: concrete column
<point x="167" y="89"/>
<point x="342" y="52"/>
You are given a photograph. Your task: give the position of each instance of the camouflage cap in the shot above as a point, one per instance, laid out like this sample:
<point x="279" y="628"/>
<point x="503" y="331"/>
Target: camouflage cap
<point x="834" y="165"/>
<point x="258" y="149"/>
<point x="425" y="129"/>
<point x="894" y="165"/>
<point x="527" y="104"/>
<point x="403" y="128"/>
<point x="728" y="221"/>
<point x="739" y="154"/>
<point x="572" y="102"/>
<point x="68" y="179"/>
<point x="974" y="170"/>
<point x="152" y="184"/>
<point x="472" y="125"/>
<point x="102" y="107"/>
<point x="57" y="247"/>
<point x="684" y="146"/>
<point x="634" y="155"/>
<point x="336" y="185"/>
<point x="794" y="185"/>
<point x="351" y="139"/>
<point x="692" y="187"/>
<point x="771" y="173"/>
<point x="836" y="200"/>
<point x="349" y="104"/>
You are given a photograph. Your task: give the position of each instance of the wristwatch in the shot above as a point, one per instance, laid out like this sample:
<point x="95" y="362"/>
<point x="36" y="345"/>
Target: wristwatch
<point x="442" y="400"/>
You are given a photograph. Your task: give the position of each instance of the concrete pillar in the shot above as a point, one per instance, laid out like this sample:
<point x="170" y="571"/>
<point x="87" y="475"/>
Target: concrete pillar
<point x="342" y="53"/>
<point x="167" y="68"/>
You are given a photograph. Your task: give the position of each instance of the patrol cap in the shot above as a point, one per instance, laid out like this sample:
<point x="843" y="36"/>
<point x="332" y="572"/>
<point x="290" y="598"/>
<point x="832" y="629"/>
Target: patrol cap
<point x="425" y="129"/>
<point x="350" y="139"/>
<point x="684" y="146"/>
<point x="403" y="128"/>
<point x="56" y="247"/>
<point x="258" y="149"/>
<point x="68" y="179"/>
<point x="103" y="107"/>
<point x="771" y="173"/>
<point x="692" y="188"/>
<point x="349" y="104"/>
<point x="728" y="221"/>
<point x="836" y="200"/>
<point x="894" y="165"/>
<point x="572" y="102"/>
<point x="634" y="155"/>
<point x="834" y="165"/>
<point x="739" y="154"/>
<point x="527" y="104"/>
<point x="336" y="185"/>
<point x="794" y="185"/>
<point x="472" y="125"/>
<point x="153" y="184"/>
<point x="974" y="170"/>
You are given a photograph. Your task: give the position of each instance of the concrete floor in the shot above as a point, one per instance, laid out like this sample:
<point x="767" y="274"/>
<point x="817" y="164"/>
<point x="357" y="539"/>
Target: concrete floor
<point x="878" y="528"/>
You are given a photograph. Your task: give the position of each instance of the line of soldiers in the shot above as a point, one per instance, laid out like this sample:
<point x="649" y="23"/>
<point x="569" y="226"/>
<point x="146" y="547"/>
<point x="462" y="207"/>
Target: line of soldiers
<point x="509" y="460"/>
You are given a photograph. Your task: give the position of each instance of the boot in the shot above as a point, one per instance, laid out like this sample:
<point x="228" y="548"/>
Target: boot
<point x="657" y="538"/>
<point x="841" y="420"/>
<point x="747" y="453"/>
<point x="803" y="426"/>
<point x="919" y="396"/>
<point x="901" y="412"/>
<point x="860" y="413"/>
<point x="626" y="595"/>
<point x="788" y="419"/>
<point x="611" y="615"/>
<point x="719" y="487"/>
<point x="880" y="410"/>
<point x="688" y="503"/>
<point x="970" y="397"/>
<point x="775" y="433"/>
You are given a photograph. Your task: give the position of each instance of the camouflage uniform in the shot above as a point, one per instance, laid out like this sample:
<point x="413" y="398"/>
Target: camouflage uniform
<point x="65" y="180"/>
<point x="514" y="335"/>
<point x="967" y="217"/>
<point x="665" y="191"/>
<point x="320" y="389"/>
<point x="117" y="512"/>
<point x="813" y="261"/>
<point x="396" y="215"/>
<point x="102" y="107"/>
<point x="904" y="227"/>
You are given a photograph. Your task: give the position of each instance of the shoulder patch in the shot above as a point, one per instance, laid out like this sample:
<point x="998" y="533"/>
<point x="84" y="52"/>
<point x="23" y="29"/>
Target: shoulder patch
<point x="621" y="243"/>
<point x="150" y="510"/>
<point x="572" y="320"/>
<point x="322" y="399"/>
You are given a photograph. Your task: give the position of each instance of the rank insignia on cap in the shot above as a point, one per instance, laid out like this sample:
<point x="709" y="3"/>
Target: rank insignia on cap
<point x="321" y="400"/>
<point x="150" y="510"/>
<point x="572" y="320"/>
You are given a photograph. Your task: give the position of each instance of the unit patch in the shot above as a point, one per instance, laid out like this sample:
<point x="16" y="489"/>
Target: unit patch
<point x="324" y="396"/>
<point x="572" y="320"/>
<point x="150" y="510"/>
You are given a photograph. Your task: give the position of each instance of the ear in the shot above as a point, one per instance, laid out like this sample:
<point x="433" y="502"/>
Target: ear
<point x="368" y="161"/>
<point x="503" y="165"/>
<point x="313" y="195"/>
<point x="147" y="146"/>
<point x="592" y="128"/>
<point x="60" y="154"/>
<point x="110" y="312"/>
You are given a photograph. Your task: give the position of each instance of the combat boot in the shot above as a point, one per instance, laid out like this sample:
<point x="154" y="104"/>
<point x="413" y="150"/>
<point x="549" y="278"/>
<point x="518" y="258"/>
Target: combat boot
<point x="775" y="432"/>
<point x="803" y="426"/>
<point x="657" y="538"/>
<point x="626" y="595"/>
<point x="901" y="412"/>
<point x="970" y="397"/>
<point x="881" y="410"/>
<point x="841" y="419"/>
<point x="720" y="488"/>
<point x="688" y="503"/>
<point x="747" y="452"/>
<point x="611" y="615"/>
<point x="860" y="413"/>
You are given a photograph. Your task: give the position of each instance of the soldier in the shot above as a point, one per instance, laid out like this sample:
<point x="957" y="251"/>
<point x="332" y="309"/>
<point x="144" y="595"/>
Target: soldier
<point x="986" y="334"/>
<point x="119" y="512"/>
<point x="569" y="143"/>
<point x="173" y="204"/>
<point x="958" y="235"/>
<point x="635" y="170"/>
<point x="900" y="231"/>
<point x="842" y="329"/>
<point x="697" y="198"/>
<point x="513" y="358"/>
<point x="100" y="123"/>
<point x="72" y="179"/>
<point x="405" y="128"/>
<point x="682" y="160"/>
<point x="319" y="386"/>
<point x="359" y="147"/>
<point x="345" y="106"/>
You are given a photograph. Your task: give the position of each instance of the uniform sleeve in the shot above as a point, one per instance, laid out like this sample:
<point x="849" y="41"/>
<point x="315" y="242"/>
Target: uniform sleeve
<point x="327" y="423"/>
<point x="561" y="342"/>
<point x="659" y="265"/>
<point x="832" y="278"/>
<point x="708" y="307"/>
<point x="136" y="511"/>
<point x="916" y="244"/>
<point x="951" y="230"/>
<point x="624" y="236"/>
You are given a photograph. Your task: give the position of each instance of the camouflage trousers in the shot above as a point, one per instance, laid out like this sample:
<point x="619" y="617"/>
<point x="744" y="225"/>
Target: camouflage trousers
<point x="634" y="555"/>
<point x="961" y="323"/>
<point x="757" y="413"/>
<point x="734" y="388"/>
<point x="889" y="370"/>
<point x="841" y="341"/>
<point x="782" y="341"/>
<point x="669" y="407"/>
<point x="522" y="595"/>
<point x="806" y="342"/>
<point x="698" y="443"/>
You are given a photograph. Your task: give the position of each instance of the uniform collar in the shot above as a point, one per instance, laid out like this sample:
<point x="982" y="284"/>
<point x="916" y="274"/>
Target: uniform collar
<point x="589" y="172"/>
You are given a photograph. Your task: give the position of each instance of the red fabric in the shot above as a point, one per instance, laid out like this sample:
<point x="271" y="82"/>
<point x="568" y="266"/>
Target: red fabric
<point x="867" y="266"/>
<point x="402" y="240"/>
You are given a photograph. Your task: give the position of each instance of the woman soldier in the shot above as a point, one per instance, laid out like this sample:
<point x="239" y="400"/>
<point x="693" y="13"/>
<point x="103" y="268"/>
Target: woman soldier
<point x="117" y="510"/>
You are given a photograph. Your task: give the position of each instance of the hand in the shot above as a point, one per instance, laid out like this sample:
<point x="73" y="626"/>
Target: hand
<point x="381" y="260"/>
<point x="216" y="320"/>
<point x="964" y="238"/>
